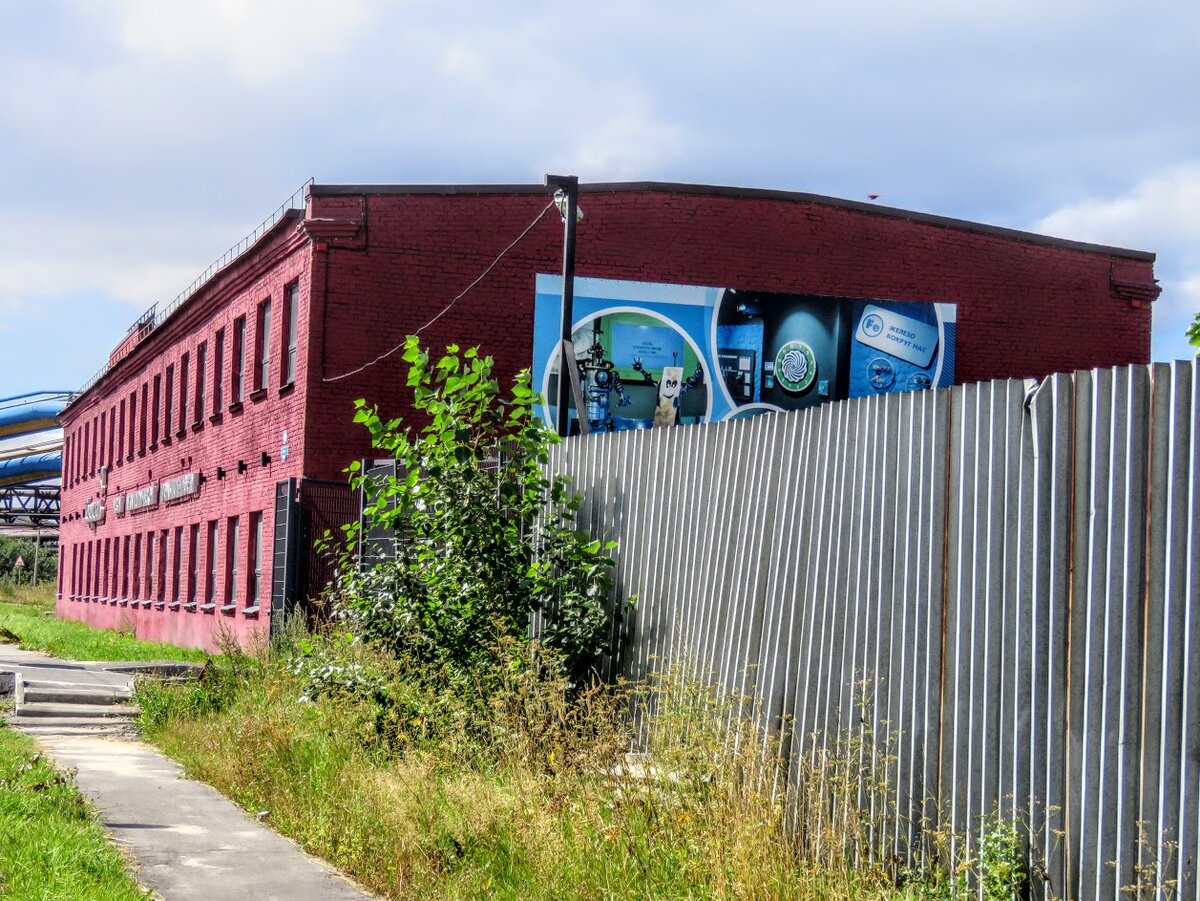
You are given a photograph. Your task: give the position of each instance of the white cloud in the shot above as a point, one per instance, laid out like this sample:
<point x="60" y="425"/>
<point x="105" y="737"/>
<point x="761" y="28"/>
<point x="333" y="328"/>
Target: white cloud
<point x="1163" y="209"/>
<point x="1160" y="213"/>
<point x="134" y="264"/>
<point x="258" y="39"/>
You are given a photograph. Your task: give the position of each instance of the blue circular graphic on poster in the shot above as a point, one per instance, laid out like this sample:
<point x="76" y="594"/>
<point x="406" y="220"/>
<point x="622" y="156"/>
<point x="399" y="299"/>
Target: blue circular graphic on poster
<point x="795" y="367"/>
<point x="882" y="373"/>
<point x="872" y="324"/>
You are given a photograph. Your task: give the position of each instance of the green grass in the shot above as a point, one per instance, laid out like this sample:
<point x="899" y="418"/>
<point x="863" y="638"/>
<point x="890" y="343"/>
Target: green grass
<point x="28" y="613"/>
<point x="51" y="846"/>
<point x="521" y="802"/>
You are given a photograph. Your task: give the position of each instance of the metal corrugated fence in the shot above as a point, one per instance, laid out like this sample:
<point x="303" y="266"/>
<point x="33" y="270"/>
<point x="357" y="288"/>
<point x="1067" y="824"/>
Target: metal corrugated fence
<point x="1001" y="577"/>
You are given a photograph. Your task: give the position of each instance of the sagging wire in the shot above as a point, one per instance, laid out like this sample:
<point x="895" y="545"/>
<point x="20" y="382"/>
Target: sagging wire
<point x="463" y="293"/>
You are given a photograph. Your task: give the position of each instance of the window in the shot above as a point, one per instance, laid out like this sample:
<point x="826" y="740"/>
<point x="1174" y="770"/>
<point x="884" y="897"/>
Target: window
<point x="125" y="568"/>
<point x="74" y="571"/>
<point x="291" y="313"/>
<point x="178" y="586"/>
<point x="256" y="549"/>
<point x="194" y="578"/>
<point x="154" y="424"/>
<point x="164" y="550"/>
<point x="113" y="568"/>
<point x="112" y="435"/>
<point x="133" y="407"/>
<point x="184" y="362"/>
<point x="264" y="345"/>
<point x="136" y="569"/>
<point x="238" y="389"/>
<point x="121" y="434"/>
<point x="231" y="565"/>
<point x="100" y="441"/>
<point x="201" y="377"/>
<point x="218" y="371"/>
<point x="168" y="401"/>
<point x="90" y="570"/>
<point x="210" y="589"/>
<point x="145" y="416"/>
<point x="148" y="587"/>
<point x="87" y="447"/>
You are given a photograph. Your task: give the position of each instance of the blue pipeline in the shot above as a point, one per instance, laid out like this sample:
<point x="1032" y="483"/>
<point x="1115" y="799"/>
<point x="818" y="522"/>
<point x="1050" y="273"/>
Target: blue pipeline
<point x="30" y="469"/>
<point x="31" y="412"/>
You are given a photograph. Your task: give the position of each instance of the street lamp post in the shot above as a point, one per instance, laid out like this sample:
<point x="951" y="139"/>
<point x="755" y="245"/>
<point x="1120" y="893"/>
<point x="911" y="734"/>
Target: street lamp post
<point x="567" y="194"/>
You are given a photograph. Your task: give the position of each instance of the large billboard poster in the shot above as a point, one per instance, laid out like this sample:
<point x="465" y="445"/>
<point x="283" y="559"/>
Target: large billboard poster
<point x="722" y="353"/>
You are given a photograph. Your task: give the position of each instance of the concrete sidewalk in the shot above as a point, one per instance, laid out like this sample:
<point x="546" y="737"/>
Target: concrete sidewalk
<point x="187" y="840"/>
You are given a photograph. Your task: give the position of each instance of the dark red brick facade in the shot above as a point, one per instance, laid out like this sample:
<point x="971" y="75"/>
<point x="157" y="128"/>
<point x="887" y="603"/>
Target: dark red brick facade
<point x="373" y="264"/>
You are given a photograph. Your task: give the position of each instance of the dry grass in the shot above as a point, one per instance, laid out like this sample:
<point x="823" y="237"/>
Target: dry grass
<point x="534" y="797"/>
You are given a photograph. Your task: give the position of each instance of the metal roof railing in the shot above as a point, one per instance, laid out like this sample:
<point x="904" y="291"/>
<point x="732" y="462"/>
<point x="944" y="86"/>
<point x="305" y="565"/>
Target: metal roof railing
<point x="158" y="313"/>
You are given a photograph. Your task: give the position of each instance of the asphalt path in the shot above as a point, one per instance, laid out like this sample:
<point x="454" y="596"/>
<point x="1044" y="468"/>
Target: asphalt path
<point x="186" y="840"/>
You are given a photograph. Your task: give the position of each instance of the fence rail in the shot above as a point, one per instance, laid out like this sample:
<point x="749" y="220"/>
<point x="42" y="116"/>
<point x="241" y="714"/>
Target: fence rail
<point x="1007" y="572"/>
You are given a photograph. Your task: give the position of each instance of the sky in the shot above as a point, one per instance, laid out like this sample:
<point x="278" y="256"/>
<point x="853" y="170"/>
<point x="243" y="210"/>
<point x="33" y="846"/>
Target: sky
<point x="141" y="138"/>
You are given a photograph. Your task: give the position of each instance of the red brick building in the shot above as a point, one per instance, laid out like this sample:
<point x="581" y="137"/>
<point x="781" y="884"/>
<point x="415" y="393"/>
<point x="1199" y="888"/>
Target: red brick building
<point x="178" y="457"/>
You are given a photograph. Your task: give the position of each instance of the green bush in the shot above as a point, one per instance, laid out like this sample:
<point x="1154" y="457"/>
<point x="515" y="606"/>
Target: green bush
<point x="23" y="548"/>
<point x="487" y="540"/>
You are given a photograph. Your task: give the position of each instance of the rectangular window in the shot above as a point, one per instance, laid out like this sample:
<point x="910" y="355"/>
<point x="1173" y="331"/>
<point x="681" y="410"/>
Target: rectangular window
<point x="121" y="434"/>
<point x="135" y="569"/>
<point x="218" y="371"/>
<point x="100" y="441"/>
<point x="178" y="587"/>
<point x="238" y="389"/>
<point x="145" y="416"/>
<point x="112" y="436"/>
<point x="231" y="562"/>
<point x="125" y="568"/>
<point x="264" y="345"/>
<point x="148" y="587"/>
<point x="111" y="549"/>
<point x="157" y="420"/>
<point x="291" y="328"/>
<point x="87" y="447"/>
<point x="256" y="549"/>
<point x="184" y="362"/>
<point x="168" y="402"/>
<point x="201" y="377"/>
<point x="194" y="576"/>
<point x="74" y="571"/>
<point x="133" y="407"/>
<point x="210" y="589"/>
<point x="164" y="550"/>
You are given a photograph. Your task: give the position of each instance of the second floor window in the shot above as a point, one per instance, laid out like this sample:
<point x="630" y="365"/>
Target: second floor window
<point x="291" y="312"/>
<point x="238" y="389"/>
<point x="264" y="345"/>
<point x="201" y="379"/>
<point x="168" y="401"/>
<point x="218" y="371"/>
<point x="184" y="364"/>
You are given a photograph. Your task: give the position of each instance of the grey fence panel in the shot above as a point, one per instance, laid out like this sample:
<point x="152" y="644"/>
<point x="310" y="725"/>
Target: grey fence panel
<point x="1051" y="415"/>
<point x="1178" y="816"/>
<point x="999" y="580"/>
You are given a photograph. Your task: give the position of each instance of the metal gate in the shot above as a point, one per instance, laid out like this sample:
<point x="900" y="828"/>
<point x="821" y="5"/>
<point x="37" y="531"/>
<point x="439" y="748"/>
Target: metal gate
<point x="305" y="509"/>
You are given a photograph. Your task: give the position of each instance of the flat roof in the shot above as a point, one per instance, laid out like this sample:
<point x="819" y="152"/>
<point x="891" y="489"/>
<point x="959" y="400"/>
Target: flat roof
<point x="747" y="194"/>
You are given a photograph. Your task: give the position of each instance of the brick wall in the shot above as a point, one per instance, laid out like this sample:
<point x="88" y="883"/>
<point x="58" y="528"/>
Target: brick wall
<point x="1026" y="306"/>
<point x="107" y="591"/>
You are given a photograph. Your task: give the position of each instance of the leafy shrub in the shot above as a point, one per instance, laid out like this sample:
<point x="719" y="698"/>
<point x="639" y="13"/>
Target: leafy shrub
<point x="487" y="540"/>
